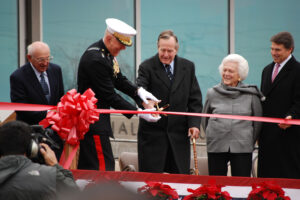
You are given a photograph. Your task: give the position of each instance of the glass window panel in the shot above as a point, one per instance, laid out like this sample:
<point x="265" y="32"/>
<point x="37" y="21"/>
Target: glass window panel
<point x="9" y="45"/>
<point x="201" y="28"/>
<point x="255" y="23"/>
<point x="70" y="26"/>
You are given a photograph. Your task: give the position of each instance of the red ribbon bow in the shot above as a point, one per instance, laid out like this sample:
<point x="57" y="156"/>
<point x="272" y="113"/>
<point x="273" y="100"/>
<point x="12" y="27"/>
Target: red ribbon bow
<point x="73" y="116"/>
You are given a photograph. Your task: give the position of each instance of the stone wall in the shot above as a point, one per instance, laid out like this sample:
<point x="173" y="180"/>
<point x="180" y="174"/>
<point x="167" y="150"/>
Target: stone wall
<point x="125" y="132"/>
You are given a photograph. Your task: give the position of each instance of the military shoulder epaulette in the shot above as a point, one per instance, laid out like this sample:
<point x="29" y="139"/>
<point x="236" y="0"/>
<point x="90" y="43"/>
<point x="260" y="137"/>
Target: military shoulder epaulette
<point x="93" y="48"/>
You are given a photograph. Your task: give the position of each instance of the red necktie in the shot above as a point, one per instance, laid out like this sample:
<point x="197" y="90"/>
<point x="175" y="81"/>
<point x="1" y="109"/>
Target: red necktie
<point x="275" y="71"/>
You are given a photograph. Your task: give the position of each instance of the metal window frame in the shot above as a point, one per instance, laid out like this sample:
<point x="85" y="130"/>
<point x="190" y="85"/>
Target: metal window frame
<point x="231" y="27"/>
<point x="30" y="27"/>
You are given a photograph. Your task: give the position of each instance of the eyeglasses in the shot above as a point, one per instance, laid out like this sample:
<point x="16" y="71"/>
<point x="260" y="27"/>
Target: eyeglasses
<point x="41" y="60"/>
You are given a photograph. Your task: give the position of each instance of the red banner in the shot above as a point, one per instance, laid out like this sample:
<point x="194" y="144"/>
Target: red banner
<point x="238" y="187"/>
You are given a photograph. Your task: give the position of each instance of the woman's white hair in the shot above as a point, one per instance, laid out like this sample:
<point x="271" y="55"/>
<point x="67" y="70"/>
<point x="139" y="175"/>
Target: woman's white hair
<point x="243" y="67"/>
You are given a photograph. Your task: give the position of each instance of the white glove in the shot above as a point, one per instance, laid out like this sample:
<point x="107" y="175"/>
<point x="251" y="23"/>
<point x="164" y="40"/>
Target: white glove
<point x="149" y="117"/>
<point x="144" y="95"/>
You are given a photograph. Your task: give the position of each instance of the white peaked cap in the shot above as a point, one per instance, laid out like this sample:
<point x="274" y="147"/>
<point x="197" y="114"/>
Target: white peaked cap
<point x="120" y="30"/>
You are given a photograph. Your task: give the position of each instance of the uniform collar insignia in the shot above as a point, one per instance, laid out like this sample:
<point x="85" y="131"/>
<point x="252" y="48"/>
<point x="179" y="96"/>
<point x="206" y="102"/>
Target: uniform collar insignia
<point x="102" y="53"/>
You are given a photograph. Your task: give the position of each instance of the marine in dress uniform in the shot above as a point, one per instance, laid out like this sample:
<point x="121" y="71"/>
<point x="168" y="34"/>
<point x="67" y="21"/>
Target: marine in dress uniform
<point x="99" y="70"/>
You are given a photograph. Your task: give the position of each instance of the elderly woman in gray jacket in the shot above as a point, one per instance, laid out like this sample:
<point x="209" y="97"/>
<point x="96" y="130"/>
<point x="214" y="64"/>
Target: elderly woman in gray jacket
<point x="231" y="140"/>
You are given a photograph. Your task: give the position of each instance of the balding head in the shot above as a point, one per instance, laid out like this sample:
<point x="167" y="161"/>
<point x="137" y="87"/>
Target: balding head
<point x="37" y="46"/>
<point x="39" y="55"/>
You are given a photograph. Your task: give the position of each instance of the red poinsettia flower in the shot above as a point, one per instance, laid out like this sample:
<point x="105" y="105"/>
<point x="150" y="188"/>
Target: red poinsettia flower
<point x="209" y="191"/>
<point x="267" y="191"/>
<point x="157" y="189"/>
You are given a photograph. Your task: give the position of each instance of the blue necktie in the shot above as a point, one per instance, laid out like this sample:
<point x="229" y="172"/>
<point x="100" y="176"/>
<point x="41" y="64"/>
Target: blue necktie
<point x="169" y="73"/>
<point x="44" y="86"/>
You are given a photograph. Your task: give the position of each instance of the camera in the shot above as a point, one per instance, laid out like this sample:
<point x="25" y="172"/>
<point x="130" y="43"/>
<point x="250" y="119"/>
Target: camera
<point x="40" y="135"/>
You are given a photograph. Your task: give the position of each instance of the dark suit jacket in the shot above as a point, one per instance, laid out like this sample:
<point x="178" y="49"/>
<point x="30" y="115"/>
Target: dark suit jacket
<point x="26" y="88"/>
<point x="95" y="71"/>
<point x="279" y="150"/>
<point x="183" y="95"/>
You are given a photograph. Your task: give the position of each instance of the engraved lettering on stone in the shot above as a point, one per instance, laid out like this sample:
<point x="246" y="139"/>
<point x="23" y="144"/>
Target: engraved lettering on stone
<point x="123" y="128"/>
<point x="132" y="129"/>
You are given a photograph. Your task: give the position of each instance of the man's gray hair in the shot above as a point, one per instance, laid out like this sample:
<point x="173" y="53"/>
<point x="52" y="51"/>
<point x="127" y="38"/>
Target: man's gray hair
<point x="32" y="47"/>
<point x="243" y="67"/>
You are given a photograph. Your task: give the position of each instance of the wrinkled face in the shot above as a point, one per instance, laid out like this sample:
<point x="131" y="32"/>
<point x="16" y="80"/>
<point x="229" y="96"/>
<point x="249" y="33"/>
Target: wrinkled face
<point x="167" y="50"/>
<point x="279" y="52"/>
<point x="230" y="74"/>
<point x="114" y="46"/>
<point x="40" y="58"/>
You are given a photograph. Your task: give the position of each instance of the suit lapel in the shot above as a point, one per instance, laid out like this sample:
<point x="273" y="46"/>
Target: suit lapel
<point x="51" y="79"/>
<point x="35" y="83"/>
<point x="161" y="72"/>
<point x="179" y="73"/>
<point x="284" y="72"/>
<point x="268" y="81"/>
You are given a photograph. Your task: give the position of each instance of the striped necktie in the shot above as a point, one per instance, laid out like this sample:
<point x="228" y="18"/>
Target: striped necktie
<point x="275" y="73"/>
<point x="169" y="73"/>
<point x="45" y="86"/>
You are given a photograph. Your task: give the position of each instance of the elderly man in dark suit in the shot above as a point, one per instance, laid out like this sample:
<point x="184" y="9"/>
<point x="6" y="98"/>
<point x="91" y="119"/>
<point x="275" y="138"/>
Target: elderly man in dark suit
<point x="279" y="149"/>
<point x="165" y="146"/>
<point x="37" y="82"/>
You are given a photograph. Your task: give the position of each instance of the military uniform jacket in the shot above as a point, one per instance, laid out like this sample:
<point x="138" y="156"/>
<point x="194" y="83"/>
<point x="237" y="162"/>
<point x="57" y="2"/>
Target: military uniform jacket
<point x="96" y="71"/>
<point x="183" y="95"/>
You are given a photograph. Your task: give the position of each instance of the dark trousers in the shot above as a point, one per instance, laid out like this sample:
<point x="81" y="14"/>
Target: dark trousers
<point x="96" y="153"/>
<point x="240" y="163"/>
<point x="170" y="164"/>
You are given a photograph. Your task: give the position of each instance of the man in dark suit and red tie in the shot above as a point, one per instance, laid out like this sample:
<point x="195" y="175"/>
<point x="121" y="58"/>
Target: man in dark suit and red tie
<point x="37" y="82"/>
<point x="279" y="149"/>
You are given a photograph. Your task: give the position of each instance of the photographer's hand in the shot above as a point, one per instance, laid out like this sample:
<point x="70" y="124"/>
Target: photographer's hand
<point x="48" y="154"/>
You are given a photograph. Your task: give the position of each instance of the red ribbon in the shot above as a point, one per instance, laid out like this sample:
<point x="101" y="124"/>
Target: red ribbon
<point x="76" y="112"/>
<point x="36" y="107"/>
<point x="237" y="117"/>
<point x="25" y="107"/>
